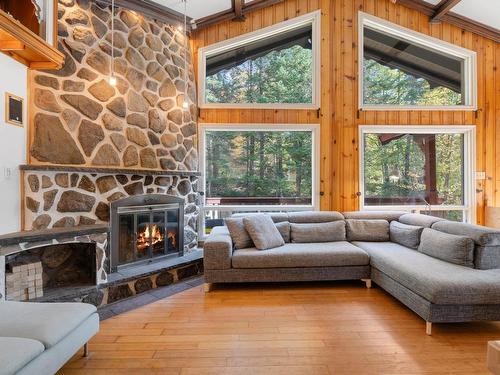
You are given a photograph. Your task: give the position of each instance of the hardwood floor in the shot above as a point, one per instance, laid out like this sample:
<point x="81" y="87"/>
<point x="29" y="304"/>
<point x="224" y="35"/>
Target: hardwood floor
<point x="292" y="329"/>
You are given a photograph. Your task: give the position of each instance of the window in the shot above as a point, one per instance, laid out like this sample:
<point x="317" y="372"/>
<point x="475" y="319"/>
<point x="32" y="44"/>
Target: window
<point x="275" y="67"/>
<point x="403" y="69"/>
<point x="254" y="168"/>
<point x="423" y="169"/>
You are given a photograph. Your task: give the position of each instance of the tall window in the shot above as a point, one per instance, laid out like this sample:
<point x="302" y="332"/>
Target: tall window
<point x="425" y="169"/>
<point x="258" y="168"/>
<point x="404" y="69"/>
<point x="275" y="67"/>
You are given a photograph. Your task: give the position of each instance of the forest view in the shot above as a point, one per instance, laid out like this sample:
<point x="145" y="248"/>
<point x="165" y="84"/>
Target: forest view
<point x="270" y="164"/>
<point x="396" y="169"/>
<point x="385" y="85"/>
<point x="281" y="76"/>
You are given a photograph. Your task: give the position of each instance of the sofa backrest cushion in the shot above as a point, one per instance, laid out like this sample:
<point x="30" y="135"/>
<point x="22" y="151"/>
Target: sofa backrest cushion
<point x="263" y="232"/>
<point x="376" y="230"/>
<point x="314" y="216"/>
<point x="277" y="217"/>
<point x="318" y="232"/>
<point x="284" y="229"/>
<point x="406" y="235"/>
<point x="371" y="215"/>
<point x="448" y="247"/>
<point x="419" y="220"/>
<point x="487" y="241"/>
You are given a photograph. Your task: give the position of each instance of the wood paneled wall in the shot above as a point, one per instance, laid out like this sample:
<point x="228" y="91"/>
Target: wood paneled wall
<point x="339" y="117"/>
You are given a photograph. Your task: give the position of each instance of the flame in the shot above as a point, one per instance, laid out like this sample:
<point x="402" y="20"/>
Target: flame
<point x="172" y="238"/>
<point x="154" y="235"/>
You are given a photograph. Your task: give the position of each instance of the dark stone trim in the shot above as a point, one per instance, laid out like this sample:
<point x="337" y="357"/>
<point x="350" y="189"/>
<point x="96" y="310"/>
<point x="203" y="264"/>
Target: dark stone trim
<point x="142" y="172"/>
<point x="50" y="234"/>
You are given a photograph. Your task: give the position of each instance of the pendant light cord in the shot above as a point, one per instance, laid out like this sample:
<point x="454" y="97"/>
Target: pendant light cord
<point x="185" y="56"/>
<point x="112" y="38"/>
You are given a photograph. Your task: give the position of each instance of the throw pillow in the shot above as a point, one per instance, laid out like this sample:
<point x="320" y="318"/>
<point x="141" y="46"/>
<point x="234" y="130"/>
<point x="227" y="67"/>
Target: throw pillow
<point x="448" y="247"/>
<point x="238" y="233"/>
<point x="263" y="232"/>
<point x="284" y="228"/>
<point x="367" y="230"/>
<point x="406" y="235"/>
<point x="318" y="232"/>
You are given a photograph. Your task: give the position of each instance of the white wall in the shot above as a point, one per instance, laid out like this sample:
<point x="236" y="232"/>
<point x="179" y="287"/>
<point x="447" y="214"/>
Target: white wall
<point x="13" y="79"/>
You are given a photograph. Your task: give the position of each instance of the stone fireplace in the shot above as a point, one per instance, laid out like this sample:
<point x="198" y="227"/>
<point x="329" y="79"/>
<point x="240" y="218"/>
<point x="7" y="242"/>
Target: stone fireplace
<point x="145" y="228"/>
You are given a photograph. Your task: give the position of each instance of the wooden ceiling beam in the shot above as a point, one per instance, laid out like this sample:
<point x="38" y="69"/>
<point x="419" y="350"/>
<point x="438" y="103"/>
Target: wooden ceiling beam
<point x="232" y="14"/>
<point x="453" y="19"/>
<point x="442" y="8"/>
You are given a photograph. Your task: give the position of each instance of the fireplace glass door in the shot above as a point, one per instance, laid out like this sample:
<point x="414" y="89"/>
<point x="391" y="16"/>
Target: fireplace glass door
<point x="148" y="232"/>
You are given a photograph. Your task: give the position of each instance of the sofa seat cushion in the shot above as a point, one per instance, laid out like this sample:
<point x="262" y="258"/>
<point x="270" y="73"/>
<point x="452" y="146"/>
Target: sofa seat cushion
<point x="48" y="323"/>
<point x="293" y="255"/>
<point x="16" y="352"/>
<point x="435" y="280"/>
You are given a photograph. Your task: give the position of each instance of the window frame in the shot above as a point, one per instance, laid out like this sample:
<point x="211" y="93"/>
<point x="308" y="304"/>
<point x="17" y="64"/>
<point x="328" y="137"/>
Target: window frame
<point x="314" y="18"/>
<point x="469" y="70"/>
<point x="469" y="133"/>
<point x="315" y="173"/>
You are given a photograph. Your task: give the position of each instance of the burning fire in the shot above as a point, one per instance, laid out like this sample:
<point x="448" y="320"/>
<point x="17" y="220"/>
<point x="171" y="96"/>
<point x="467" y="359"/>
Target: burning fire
<point x="144" y="237"/>
<point x="152" y="235"/>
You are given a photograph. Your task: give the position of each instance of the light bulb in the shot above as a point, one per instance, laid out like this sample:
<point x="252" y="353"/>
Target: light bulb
<point x="185" y="104"/>
<point x="112" y="81"/>
<point x="180" y="28"/>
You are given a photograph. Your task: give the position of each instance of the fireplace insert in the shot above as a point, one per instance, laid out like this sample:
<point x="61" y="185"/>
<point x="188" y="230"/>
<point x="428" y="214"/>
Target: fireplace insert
<point x="146" y="228"/>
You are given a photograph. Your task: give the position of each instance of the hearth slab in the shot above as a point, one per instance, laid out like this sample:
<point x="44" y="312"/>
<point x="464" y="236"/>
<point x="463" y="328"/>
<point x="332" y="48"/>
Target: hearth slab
<point x="135" y="272"/>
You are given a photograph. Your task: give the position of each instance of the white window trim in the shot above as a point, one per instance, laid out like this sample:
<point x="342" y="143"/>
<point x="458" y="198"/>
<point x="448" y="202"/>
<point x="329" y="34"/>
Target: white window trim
<point x="469" y="132"/>
<point x="469" y="57"/>
<point x="315" y="175"/>
<point x="314" y="18"/>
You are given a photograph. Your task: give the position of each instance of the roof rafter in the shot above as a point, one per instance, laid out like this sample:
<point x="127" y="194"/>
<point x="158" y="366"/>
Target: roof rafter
<point x="453" y="19"/>
<point x="232" y="14"/>
<point x="443" y="8"/>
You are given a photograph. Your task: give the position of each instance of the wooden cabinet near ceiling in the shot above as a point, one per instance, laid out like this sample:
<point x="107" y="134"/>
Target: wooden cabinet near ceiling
<point x="19" y="36"/>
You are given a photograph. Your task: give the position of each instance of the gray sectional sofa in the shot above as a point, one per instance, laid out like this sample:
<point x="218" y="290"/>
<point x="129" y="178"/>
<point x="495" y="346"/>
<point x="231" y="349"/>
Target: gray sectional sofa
<point x="39" y="338"/>
<point x="444" y="271"/>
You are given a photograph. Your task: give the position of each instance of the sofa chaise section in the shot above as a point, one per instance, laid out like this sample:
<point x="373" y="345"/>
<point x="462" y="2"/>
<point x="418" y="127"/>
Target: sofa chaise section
<point x="59" y="330"/>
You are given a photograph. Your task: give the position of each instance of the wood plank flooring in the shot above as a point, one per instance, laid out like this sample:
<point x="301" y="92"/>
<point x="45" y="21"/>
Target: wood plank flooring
<point x="291" y="329"/>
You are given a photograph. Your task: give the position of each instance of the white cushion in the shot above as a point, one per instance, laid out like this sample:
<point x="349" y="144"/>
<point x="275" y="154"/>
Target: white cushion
<point x="15" y="353"/>
<point x="48" y="323"/>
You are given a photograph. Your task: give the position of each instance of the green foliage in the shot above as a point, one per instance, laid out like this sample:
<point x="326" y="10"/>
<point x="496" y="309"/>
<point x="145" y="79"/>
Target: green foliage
<point x="258" y="164"/>
<point x="283" y="76"/>
<point x="397" y="168"/>
<point x="384" y="85"/>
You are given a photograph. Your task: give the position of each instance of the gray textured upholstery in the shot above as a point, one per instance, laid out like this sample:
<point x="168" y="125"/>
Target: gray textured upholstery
<point x="37" y="321"/>
<point x="277" y="217"/>
<point x="406" y="235"/>
<point x="435" y="280"/>
<point x="419" y="220"/>
<point x="448" y="247"/>
<point x="487" y="242"/>
<point x="367" y="230"/>
<point x="314" y="216"/>
<point x="371" y="215"/>
<point x="318" y="232"/>
<point x="263" y="232"/>
<point x="239" y="235"/>
<point x="218" y="249"/>
<point x="263" y="275"/>
<point x="17" y="352"/>
<point x="332" y="254"/>
<point x="284" y="229"/>
<point x="482" y="236"/>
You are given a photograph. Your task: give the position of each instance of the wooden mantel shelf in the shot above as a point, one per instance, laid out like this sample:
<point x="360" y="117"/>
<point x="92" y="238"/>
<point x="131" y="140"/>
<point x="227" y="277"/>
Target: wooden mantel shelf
<point x="22" y="44"/>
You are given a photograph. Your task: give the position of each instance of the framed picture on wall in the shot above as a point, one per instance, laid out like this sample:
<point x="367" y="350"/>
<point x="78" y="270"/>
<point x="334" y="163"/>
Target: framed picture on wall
<point x="14" y="109"/>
